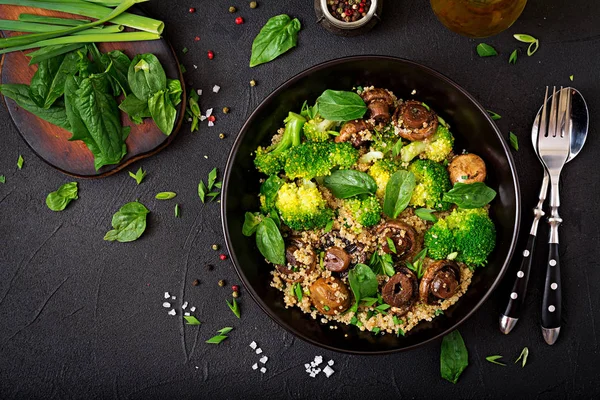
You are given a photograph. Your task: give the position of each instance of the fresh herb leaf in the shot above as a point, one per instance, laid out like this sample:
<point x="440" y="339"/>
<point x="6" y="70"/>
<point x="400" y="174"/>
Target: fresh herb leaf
<point x="417" y="265"/>
<point x="175" y="91"/>
<point x="298" y="292"/>
<point x="493" y="359"/>
<point x="184" y="50"/>
<point x="397" y="147"/>
<point x="212" y="195"/>
<point x="391" y="245"/>
<point x="336" y="105"/>
<point x="376" y="330"/>
<point x="277" y="36"/>
<point x="117" y="63"/>
<point x="165" y="195"/>
<point x="2" y="179"/>
<point x="251" y="222"/>
<point x="20" y="161"/>
<point x="454" y="357"/>
<point x="397" y="321"/>
<point x="382" y="264"/>
<point x="439" y="312"/>
<point x="485" y="50"/>
<point x="270" y="242"/>
<point x="400" y="332"/>
<point x="233" y="306"/>
<point x="398" y="192"/>
<point x="470" y="195"/>
<point x="162" y="111"/>
<point x="48" y="83"/>
<point x="426" y="214"/>
<point x="571" y="78"/>
<point x="128" y="223"/>
<point x="225" y="331"/>
<point x="513" y="57"/>
<point x="369" y="301"/>
<point x="382" y="308"/>
<point x="191" y="320"/>
<point x="146" y="76"/>
<point x="345" y="183"/>
<point x="322" y="260"/>
<point x="523" y="356"/>
<point x="326" y="308"/>
<point x="58" y="200"/>
<point x="494" y="115"/>
<point x="202" y="189"/>
<point x="216" y="339"/>
<point x="212" y="177"/>
<point x="521" y="37"/>
<point x="452" y="256"/>
<point x="328" y="227"/>
<point x="136" y="109"/>
<point x="363" y="283"/>
<point x="138" y="176"/>
<point x="218" y="185"/>
<point x="514" y="141"/>
<point x="177" y="211"/>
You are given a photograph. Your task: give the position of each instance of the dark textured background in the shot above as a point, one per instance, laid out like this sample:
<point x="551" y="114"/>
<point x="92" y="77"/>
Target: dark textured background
<point x="83" y="318"/>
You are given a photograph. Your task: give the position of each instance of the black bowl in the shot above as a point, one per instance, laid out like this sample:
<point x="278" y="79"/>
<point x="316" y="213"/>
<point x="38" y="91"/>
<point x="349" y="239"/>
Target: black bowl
<point x="474" y="131"/>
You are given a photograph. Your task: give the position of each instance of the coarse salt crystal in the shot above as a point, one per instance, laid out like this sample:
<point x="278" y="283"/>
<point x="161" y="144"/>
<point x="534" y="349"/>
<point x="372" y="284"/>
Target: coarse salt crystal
<point x="264" y="359"/>
<point x="202" y="118"/>
<point x="216" y="88"/>
<point x="255" y="366"/>
<point x="193" y="309"/>
<point x="209" y="112"/>
<point x="199" y="91"/>
<point x="263" y="370"/>
<point x="330" y="362"/>
<point x="172" y="312"/>
<point x="258" y="351"/>
<point x="307" y="366"/>
<point x="187" y="314"/>
<point x="166" y="304"/>
<point x="413" y="92"/>
<point x="167" y="295"/>
<point x="312" y="375"/>
<point x="195" y="66"/>
<point x="210" y="123"/>
<point x="253" y="345"/>
<point x="328" y="371"/>
<point x="318" y="360"/>
<point x="184" y="305"/>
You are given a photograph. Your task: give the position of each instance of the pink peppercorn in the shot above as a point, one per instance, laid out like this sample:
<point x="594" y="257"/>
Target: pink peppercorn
<point x="235" y="288"/>
<point x="192" y="10"/>
<point x="197" y="38"/>
<point x="239" y="20"/>
<point x="223" y="257"/>
<point x="211" y="55"/>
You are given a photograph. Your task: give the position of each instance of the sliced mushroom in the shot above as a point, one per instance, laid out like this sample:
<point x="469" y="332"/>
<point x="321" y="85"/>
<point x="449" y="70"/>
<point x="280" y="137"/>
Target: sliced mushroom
<point x="467" y="168"/>
<point x="379" y="102"/>
<point x="404" y="236"/>
<point x="294" y="274"/>
<point x="330" y="296"/>
<point x="440" y="281"/>
<point x="350" y="132"/>
<point x="414" y="121"/>
<point x="356" y="251"/>
<point x="401" y="291"/>
<point x="336" y="259"/>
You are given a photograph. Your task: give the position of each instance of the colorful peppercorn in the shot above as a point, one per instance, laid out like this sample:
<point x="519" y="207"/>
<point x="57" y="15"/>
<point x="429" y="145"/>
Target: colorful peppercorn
<point x="192" y="10"/>
<point x="223" y="257"/>
<point x="239" y="20"/>
<point x="221" y="283"/>
<point x="235" y="295"/>
<point x="211" y="118"/>
<point x="225" y="110"/>
<point x="253" y="4"/>
<point x="221" y="136"/>
<point x="252" y="83"/>
<point x="211" y="55"/>
<point x="235" y="288"/>
<point x="215" y="247"/>
<point x="197" y="38"/>
<point x="196" y="282"/>
<point x="232" y="9"/>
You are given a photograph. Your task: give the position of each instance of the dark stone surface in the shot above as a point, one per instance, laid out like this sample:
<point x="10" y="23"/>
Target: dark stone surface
<point x="83" y="318"/>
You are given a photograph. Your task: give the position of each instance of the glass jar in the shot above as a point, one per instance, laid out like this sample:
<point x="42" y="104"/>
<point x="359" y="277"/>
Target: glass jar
<point x="478" y="18"/>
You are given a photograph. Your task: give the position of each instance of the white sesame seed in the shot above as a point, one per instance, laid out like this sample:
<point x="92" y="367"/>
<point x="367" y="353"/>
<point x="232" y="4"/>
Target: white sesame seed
<point x="264" y="359"/>
<point x="166" y="304"/>
<point x="172" y="312"/>
<point x="193" y="309"/>
<point x="255" y="366"/>
<point x="216" y="88"/>
<point x="258" y="351"/>
<point x="263" y="370"/>
<point x="328" y="371"/>
<point x="253" y="345"/>
<point x="184" y="305"/>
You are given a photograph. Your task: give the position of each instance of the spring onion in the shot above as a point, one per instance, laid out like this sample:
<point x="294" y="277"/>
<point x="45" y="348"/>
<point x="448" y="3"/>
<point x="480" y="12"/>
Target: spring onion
<point x="106" y="3"/>
<point x="86" y="9"/>
<point x="52" y="51"/>
<point x="20" y="26"/>
<point x="42" y="19"/>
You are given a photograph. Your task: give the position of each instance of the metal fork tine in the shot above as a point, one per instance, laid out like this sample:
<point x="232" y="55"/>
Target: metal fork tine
<point x="543" y="127"/>
<point x="553" y="115"/>
<point x="568" y="120"/>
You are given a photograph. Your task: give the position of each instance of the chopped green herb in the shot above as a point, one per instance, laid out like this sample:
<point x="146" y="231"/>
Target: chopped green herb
<point x="184" y="50"/>
<point x="400" y="332"/>
<point x="20" y="162"/>
<point x="452" y="255"/>
<point x="381" y="308"/>
<point x="212" y="177"/>
<point x="523" y="356"/>
<point x="298" y="291"/>
<point x="397" y="147"/>
<point x="426" y="214"/>
<point x="513" y="57"/>
<point x="328" y="227"/>
<point x="391" y="245"/>
<point x="417" y="264"/>
<point x="485" y="50"/>
<point x="182" y="68"/>
<point x="397" y="320"/>
<point x="439" y="312"/>
<point x="138" y="176"/>
<point x="369" y="301"/>
<point x="202" y="189"/>
<point x="165" y="195"/>
<point x="212" y="195"/>
<point x="218" y="185"/>
<point x="191" y="320"/>
<point x="326" y="308"/>
<point x="2" y="179"/>
<point x="225" y="331"/>
<point x="571" y="78"/>
<point x="493" y="360"/>
<point x="514" y="141"/>
<point x="177" y="211"/>
<point x="533" y="42"/>
<point x="426" y="106"/>
<point x="376" y="330"/>
<point x="216" y="339"/>
<point x="322" y="260"/>
<point x="233" y="306"/>
<point x="494" y="115"/>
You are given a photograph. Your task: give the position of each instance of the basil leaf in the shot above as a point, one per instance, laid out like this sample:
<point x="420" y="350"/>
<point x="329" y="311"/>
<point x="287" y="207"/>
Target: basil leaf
<point x="175" y="91"/>
<point x="363" y="282"/>
<point x="454" y="357"/>
<point x="165" y="195"/>
<point x="270" y="242"/>
<point x="336" y="105"/>
<point x="470" y="195"/>
<point x="162" y="111"/>
<point x="128" y="223"/>
<point x="345" y="183"/>
<point x="58" y="201"/>
<point x="485" y="50"/>
<point x="251" y="222"/>
<point x="426" y="214"/>
<point x="118" y="68"/>
<point x="398" y="192"/>
<point x="55" y="114"/>
<point x="524" y="354"/>
<point x="279" y="35"/>
<point x="146" y="76"/>
<point x="136" y="109"/>
<point x="191" y="320"/>
<point x="268" y="193"/>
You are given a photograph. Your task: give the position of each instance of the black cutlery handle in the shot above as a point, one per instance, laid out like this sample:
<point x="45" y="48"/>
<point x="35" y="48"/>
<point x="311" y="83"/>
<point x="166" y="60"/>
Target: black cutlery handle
<point x="519" y="289"/>
<point x="552" y="291"/>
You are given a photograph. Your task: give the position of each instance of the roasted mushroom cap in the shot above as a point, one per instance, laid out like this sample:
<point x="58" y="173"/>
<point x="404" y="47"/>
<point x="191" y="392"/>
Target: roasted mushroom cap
<point x="294" y="274"/>
<point x="467" y="168"/>
<point x="404" y="237"/>
<point x="401" y="290"/>
<point x="336" y="259"/>
<point x="414" y="121"/>
<point x="379" y="102"/>
<point x="351" y="130"/>
<point x="330" y="296"/>
<point x="440" y="281"/>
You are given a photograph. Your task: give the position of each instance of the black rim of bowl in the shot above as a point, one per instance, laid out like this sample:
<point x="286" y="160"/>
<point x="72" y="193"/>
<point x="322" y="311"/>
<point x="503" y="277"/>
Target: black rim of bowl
<point x="240" y="138"/>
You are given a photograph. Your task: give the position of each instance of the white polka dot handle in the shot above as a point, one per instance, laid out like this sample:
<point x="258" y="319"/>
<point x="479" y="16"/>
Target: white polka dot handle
<point x="551" y="305"/>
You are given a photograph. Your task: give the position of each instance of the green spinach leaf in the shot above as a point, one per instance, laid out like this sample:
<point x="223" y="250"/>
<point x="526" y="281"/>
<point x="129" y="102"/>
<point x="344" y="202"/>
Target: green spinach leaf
<point x="382" y="264"/>
<point x="162" y="111"/>
<point x="279" y="35"/>
<point x="146" y="76"/>
<point x="55" y="114"/>
<point x="398" y="192"/>
<point x="48" y="83"/>
<point x="128" y="223"/>
<point x="175" y="91"/>
<point x="270" y="242"/>
<point x="251" y="222"/>
<point x="136" y="109"/>
<point x="345" y="183"/>
<point x="338" y="105"/>
<point x="58" y="201"/>
<point x="117" y="64"/>
<point x="454" y="357"/>
<point x="363" y="283"/>
<point x="470" y="195"/>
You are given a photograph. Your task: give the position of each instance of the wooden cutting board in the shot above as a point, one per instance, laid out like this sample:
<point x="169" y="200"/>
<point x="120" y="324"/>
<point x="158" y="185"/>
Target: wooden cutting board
<point x="51" y="143"/>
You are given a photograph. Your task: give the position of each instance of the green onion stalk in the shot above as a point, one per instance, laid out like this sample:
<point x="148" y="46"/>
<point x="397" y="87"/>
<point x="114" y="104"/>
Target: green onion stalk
<point x="47" y="52"/>
<point x="42" y="19"/>
<point x="29" y="27"/>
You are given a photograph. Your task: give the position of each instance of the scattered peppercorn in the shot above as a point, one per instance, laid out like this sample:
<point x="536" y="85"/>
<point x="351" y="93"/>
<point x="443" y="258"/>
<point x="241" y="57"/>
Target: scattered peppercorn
<point x="235" y="288"/>
<point x="223" y="257"/>
<point x="225" y="110"/>
<point x="210" y="267"/>
<point x="197" y="38"/>
<point x="253" y="4"/>
<point x="211" y="55"/>
<point x="221" y="283"/>
<point x="211" y="118"/>
<point x="196" y="282"/>
<point x="215" y="247"/>
<point x="239" y="20"/>
<point x="232" y="9"/>
<point x="192" y="10"/>
<point x="252" y="83"/>
<point x="349" y="10"/>
<point x="235" y="295"/>
<point x="221" y="136"/>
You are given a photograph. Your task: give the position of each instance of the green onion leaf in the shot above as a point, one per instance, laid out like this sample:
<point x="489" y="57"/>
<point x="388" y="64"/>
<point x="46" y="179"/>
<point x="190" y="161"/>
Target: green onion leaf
<point x="391" y="245"/>
<point x="202" y="189"/>
<point x="298" y="291"/>
<point x="191" y="320"/>
<point x="177" y="211"/>
<point x="521" y="37"/>
<point x="397" y="147"/>
<point x="225" y="331"/>
<point x="494" y="115"/>
<point x="2" y="179"/>
<point x="571" y="78"/>
<point x="328" y="227"/>
<point x="138" y="176"/>
<point x="165" y="195"/>
<point x="212" y="177"/>
<point x="233" y="306"/>
<point x="216" y="339"/>
<point x="523" y="356"/>
<point x="493" y="359"/>
<point x="514" y="141"/>
<point x="513" y="57"/>
<point x="20" y="162"/>
<point x="485" y="50"/>
<point x="532" y="48"/>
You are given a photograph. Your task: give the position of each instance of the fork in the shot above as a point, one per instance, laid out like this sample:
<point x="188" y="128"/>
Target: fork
<point x="554" y="140"/>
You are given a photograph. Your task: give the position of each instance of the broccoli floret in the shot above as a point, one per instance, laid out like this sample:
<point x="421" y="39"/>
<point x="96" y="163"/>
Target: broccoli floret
<point x="318" y="129"/>
<point x="270" y="160"/>
<point x="435" y="148"/>
<point x="468" y="232"/>
<point x="366" y="212"/>
<point x="381" y="171"/>
<point x="302" y="206"/>
<point x="384" y="140"/>
<point x="432" y="182"/>
<point x="311" y="159"/>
